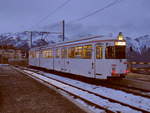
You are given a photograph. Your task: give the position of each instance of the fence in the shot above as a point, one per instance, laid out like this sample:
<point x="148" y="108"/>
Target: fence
<point x="21" y="62"/>
<point x="139" y="66"/>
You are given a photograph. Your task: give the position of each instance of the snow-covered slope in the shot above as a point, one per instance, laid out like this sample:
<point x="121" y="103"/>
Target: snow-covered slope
<point x="139" y="44"/>
<point x="144" y="42"/>
<point x="140" y="48"/>
<point x="20" y="39"/>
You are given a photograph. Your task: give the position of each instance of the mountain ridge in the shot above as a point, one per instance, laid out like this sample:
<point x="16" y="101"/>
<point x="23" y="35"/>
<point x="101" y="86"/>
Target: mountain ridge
<point x="140" y="45"/>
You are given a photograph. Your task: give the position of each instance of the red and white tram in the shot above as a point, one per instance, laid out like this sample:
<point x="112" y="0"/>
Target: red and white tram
<point x="95" y="57"/>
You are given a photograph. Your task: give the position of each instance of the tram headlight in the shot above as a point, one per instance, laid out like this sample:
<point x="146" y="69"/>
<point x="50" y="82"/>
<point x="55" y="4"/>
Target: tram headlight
<point x="120" y="43"/>
<point x="120" y="36"/>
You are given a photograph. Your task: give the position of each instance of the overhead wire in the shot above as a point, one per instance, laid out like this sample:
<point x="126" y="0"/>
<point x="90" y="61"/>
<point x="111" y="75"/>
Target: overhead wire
<point x="81" y="18"/>
<point x="53" y="12"/>
<point x="97" y="11"/>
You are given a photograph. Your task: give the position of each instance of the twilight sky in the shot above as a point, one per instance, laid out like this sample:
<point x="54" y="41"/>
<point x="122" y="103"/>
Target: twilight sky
<point x="132" y="17"/>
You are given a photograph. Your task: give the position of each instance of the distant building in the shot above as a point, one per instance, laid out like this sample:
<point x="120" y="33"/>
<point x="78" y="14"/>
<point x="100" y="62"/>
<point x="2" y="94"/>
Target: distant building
<point x="10" y="53"/>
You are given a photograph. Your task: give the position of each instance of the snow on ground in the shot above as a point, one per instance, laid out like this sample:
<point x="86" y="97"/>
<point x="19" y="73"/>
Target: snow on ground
<point x="130" y="99"/>
<point x="4" y="64"/>
<point x="92" y="98"/>
<point x="92" y="108"/>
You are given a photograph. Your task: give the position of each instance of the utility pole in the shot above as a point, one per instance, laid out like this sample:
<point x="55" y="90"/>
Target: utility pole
<point x="63" y="30"/>
<point x="30" y="39"/>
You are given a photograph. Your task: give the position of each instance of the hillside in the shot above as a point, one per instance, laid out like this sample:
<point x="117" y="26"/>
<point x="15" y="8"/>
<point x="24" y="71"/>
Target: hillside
<point x="140" y="45"/>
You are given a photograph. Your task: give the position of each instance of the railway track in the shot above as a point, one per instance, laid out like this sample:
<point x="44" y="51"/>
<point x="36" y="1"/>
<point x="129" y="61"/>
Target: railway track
<point x="115" y="84"/>
<point x="93" y="98"/>
<point x="126" y="87"/>
<point x="142" y="71"/>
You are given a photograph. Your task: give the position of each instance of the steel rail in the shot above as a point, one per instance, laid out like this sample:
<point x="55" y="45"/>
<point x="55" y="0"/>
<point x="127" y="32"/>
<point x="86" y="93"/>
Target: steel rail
<point x="106" y="83"/>
<point x="111" y="100"/>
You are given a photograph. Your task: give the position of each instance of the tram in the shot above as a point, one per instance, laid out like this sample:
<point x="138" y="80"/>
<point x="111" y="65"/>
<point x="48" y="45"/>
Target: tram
<point x="97" y="57"/>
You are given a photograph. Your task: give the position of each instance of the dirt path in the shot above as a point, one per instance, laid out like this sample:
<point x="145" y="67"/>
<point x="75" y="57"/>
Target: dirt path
<point x="21" y="94"/>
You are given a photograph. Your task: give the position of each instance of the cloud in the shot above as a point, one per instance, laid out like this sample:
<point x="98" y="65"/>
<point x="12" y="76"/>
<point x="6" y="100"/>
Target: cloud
<point x="129" y="16"/>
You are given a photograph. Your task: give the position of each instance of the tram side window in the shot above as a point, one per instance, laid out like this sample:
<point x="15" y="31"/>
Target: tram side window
<point x="71" y="52"/>
<point x="78" y="52"/>
<point x="87" y="52"/>
<point x="63" y="53"/>
<point x="44" y="53"/>
<point x="99" y="52"/>
<point x="110" y="52"/>
<point x="82" y="52"/>
<point x="58" y="53"/>
<point x="37" y="54"/>
<point x="31" y="54"/>
<point x="50" y="53"/>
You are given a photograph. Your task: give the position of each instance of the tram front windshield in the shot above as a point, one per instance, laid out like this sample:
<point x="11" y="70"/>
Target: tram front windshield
<point x="115" y="52"/>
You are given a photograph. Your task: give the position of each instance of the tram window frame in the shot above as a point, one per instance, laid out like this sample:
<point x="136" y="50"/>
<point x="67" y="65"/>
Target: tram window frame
<point x="50" y="53"/>
<point x="110" y="52"/>
<point x="99" y="52"/>
<point x="63" y="52"/>
<point x="37" y="54"/>
<point x="71" y="51"/>
<point x="44" y="53"/>
<point x="78" y="52"/>
<point x="87" y="52"/>
<point x="32" y="54"/>
<point x="57" y="53"/>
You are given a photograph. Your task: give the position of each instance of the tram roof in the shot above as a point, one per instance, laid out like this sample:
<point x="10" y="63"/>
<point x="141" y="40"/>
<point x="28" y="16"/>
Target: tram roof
<point x="81" y="40"/>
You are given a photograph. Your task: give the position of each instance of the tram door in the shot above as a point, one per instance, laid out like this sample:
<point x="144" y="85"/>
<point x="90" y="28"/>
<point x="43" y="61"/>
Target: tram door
<point x="37" y="58"/>
<point x="100" y="62"/>
<point x="64" y="59"/>
<point x="57" y="59"/>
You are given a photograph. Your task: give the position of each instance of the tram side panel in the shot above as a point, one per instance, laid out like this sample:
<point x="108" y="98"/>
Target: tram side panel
<point x="57" y="64"/>
<point x="81" y="67"/>
<point x="46" y="59"/>
<point x="102" y="69"/>
<point x="110" y="68"/>
<point x="33" y="58"/>
<point x="46" y="63"/>
<point x="120" y="69"/>
<point x="32" y="61"/>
